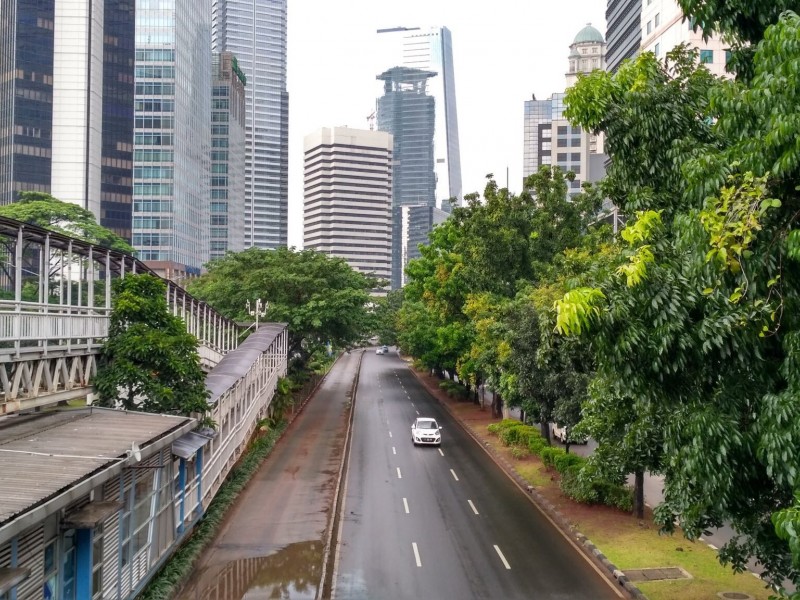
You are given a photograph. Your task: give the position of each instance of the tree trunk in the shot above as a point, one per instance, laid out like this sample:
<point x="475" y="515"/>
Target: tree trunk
<point x="495" y="406"/>
<point x="566" y="446"/>
<point x="544" y="428"/>
<point x="638" y="494"/>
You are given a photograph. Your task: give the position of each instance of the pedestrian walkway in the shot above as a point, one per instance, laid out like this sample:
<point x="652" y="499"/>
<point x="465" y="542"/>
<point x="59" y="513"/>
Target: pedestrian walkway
<point x="273" y="538"/>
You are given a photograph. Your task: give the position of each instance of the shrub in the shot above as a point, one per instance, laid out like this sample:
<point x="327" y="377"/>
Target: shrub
<point x="549" y="455"/>
<point x="496" y="428"/>
<point x="519" y="452"/>
<point x="536" y="444"/>
<point x="565" y="462"/>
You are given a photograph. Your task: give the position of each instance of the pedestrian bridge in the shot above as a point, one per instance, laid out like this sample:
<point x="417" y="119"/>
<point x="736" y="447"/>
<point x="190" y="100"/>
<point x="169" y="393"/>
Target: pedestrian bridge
<point x="54" y="315"/>
<point x="106" y="494"/>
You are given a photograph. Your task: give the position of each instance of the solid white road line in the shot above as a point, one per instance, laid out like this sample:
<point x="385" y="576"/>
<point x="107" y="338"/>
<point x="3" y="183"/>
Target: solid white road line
<point x="440" y="452"/>
<point x="399" y="476"/>
<point x="503" y="558"/>
<point x="394" y="450"/>
<point x="472" y="506"/>
<point x="405" y="505"/>
<point x="416" y="554"/>
<point x="454" y="474"/>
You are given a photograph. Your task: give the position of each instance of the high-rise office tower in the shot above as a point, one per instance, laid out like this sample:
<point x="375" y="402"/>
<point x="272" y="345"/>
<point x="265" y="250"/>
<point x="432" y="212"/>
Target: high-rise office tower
<point x="255" y="32"/>
<point x="172" y="135"/>
<point x="347" y="194"/>
<point x="550" y="139"/>
<point x="431" y="49"/>
<point x="66" y="103"/>
<point x="664" y="26"/>
<point x="407" y="112"/>
<point x="227" y="155"/>
<point x="623" y="31"/>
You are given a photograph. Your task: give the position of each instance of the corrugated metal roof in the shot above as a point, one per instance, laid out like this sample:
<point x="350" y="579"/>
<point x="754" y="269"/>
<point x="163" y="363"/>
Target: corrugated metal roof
<point x="45" y="454"/>
<point x="186" y="445"/>
<point x="236" y="364"/>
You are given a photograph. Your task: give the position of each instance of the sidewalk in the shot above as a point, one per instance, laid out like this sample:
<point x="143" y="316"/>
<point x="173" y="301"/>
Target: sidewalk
<point x="625" y="543"/>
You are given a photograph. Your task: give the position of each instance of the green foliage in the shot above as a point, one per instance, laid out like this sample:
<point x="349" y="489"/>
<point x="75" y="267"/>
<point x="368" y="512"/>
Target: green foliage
<point x="519" y="452"/>
<point x="567" y="462"/>
<point x="496" y="428"/>
<point x="70" y="219"/>
<point x="550" y="455"/>
<point x="320" y="297"/>
<point x="536" y="444"/>
<point x="149" y="361"/>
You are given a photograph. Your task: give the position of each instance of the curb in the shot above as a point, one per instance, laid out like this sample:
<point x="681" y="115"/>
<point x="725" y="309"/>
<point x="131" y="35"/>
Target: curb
<point x="543" y="504"/>
<point x="329" y="559"/>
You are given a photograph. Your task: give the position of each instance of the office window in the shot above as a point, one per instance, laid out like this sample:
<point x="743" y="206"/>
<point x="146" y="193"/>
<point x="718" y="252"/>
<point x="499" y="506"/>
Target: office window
<point x="658" y="19"/>
<point x="562" y="130"/>
<point x="562" y="142"/>
<point x="706" y="57"/>
<point x="547" y="145"/>
<point x="562" y="157"/>
<point x="727" y="56"/>
<point x="575" y="157"/>
<point x="574" y="142"/>
<point x="649" y="27"/>
<point x="657" y="49"/>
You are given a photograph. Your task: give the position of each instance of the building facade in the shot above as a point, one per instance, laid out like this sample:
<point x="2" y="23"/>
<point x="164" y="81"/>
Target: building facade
<point x="255" y="32"/>
<point x="664" y="27"/>
<point x="549" y="138"/>
<point x="623" y="31"/>
<point x="227" y="156"/>
<point x="66" y="104"/>
<point x="407" y="112"/>
<point x="172" y="136"/>
<point x="347" y="193"/>
<point x="431" y="49"/>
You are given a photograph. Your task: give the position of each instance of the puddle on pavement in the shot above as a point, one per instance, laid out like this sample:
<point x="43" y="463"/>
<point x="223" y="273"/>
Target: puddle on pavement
<point x="292" y="573"/>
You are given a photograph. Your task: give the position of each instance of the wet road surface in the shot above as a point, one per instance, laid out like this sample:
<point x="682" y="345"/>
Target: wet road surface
<point x="271" y="545"/>
<point x="441" y="523"/>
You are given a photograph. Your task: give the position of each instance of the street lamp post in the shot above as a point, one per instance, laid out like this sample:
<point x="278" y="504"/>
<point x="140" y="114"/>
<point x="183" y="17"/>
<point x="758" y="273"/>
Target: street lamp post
<point x="260" y="309"/>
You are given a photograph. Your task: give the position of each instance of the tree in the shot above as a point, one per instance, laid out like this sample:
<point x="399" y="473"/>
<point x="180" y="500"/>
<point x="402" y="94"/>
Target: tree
<point x="149" y="361"/>
<point x="321" y="297"/>
<point x="696" y="333"/>
<point x="38" y="208"/>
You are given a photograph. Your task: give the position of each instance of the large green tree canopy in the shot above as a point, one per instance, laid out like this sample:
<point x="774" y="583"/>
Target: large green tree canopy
<point x="321" y="297"/>
<point x="696" y="332"/>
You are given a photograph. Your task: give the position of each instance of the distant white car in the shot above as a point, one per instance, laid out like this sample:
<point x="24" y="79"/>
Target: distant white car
<point x="562" y="434"/>
<point x="426" y="431"/>
<point x="382" y="350"/>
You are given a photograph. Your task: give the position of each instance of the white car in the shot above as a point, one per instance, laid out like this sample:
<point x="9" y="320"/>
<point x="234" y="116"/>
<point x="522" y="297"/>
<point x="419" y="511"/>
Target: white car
<point x="382" y="350"/>
<point x="426" y="431"/>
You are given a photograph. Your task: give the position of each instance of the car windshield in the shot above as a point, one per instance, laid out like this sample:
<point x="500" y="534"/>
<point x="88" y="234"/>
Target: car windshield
<point x="426" y="425"/>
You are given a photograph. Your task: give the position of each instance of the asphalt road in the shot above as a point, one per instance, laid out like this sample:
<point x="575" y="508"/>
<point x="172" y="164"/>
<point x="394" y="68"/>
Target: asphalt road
<point x="424" y="522"/>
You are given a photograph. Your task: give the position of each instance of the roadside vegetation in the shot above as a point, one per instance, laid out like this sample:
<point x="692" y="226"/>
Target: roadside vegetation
<point x="674" y="343"/>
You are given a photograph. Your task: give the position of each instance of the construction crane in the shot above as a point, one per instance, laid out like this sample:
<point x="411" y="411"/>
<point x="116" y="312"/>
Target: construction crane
<point x="371" y="120"/>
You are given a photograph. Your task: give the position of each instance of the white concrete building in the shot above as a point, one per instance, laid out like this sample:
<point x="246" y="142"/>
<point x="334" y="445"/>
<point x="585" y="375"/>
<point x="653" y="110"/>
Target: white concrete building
<point x="664" y="27"/>
<point x="347" y="194"/>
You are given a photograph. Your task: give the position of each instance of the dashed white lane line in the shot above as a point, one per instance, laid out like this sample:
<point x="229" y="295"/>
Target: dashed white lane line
<point x="394" y="450"/>
<point x="390" y="434"/>
<point x="416" y="411"/>
<point x="503" y="558"/>
<point x="440" y="452"/>
<point x="712" y="546"/>
<point x="472" y="506"/>
<point x="416" y="553"/>
<point x="454" y="474"/>
<point x="405" y="505"/>
<point x="399" y="476"/>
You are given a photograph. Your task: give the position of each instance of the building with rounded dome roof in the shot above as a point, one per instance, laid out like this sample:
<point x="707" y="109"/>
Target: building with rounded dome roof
<point x="587" y="53"/>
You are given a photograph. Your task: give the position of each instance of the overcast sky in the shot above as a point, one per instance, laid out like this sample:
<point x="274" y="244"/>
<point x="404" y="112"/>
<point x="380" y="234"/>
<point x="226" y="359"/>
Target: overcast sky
<point x="503" y="51"/>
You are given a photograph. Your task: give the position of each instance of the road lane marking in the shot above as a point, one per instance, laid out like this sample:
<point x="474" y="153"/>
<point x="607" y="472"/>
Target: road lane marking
<point x="416" y="554"/>
<point x="416" y="411"/>
<point x="405" y="505"/>
<point x="503" y="558"/>
<point x="390" y="434"/>
<point x="399" y="476"/>
<point x="440" y="452"/>
<point x="394" y="450"/>
<point x="454" y="474"/>
<point x="472" y="506"/>
<point x="713" y="547"/>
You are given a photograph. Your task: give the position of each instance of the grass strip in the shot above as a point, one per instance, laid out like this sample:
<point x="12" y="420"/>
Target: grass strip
<point x="171" y="577"/>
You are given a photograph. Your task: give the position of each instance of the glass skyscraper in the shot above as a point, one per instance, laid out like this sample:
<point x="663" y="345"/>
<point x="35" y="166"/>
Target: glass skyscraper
<point x="407" y="112"/>
<point x="255" y="32"/>
<point x="172" y="135"/>
<point x="66" y="104"/>
<point x="227" y="156"/>
<point x="431" y="49"/>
